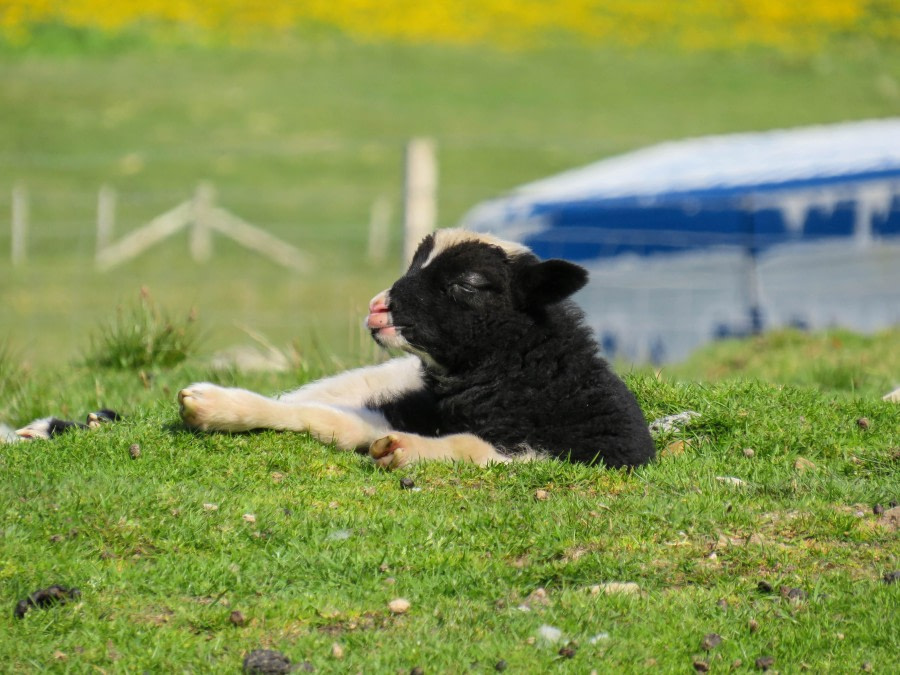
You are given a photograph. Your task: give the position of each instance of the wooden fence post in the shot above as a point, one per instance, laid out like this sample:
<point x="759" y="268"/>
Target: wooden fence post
<point x="19" y="224"/>
<point x="420" y="194"/>
<point x="106" y="217"/>
<point x="201" y="232"/>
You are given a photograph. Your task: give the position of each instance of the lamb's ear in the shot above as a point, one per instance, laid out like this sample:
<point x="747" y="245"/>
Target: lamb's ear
<point x="550" y="281"/>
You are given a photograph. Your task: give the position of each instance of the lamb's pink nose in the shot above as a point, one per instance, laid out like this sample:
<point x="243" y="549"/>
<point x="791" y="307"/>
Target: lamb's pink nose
<point x="379" y="313"/>
<point x="378" y="303"/>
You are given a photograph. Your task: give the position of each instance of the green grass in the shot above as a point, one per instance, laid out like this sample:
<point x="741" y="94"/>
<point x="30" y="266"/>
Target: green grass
<point x="302" y="139"/>
<point x="837" y="361"/>
<point x="142" y="336"/>
<point x="334" y="540"/>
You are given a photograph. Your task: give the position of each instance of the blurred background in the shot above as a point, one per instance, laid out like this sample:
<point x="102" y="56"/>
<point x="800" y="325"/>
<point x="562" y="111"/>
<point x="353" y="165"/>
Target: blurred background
<point x="245" y="161"/>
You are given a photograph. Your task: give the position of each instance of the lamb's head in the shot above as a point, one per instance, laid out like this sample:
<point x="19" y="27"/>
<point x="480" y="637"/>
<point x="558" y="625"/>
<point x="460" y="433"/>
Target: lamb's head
<point x="467" y="296"/>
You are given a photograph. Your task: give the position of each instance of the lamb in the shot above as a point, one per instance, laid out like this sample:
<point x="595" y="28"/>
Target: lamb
<point x="500" y="367"/>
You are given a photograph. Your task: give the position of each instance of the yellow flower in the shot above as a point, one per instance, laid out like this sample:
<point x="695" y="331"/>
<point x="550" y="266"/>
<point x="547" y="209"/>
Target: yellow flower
<point x="691" y="24"/>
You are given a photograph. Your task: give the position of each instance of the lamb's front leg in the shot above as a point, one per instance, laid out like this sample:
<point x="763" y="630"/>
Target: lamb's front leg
<point x="398" y="449"/>
<point x="209" y="407"/>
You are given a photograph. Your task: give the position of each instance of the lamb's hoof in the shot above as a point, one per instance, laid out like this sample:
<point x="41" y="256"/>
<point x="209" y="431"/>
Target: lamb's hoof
<point x="196" y="405"/>
<point x="387" y="452"/>
<point x="101" y="417"/>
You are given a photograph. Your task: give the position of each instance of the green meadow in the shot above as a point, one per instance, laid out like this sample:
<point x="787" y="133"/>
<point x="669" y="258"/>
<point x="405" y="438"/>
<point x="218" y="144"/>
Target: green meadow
<point x="766" y="521"/>
<point x="303" y="139"/>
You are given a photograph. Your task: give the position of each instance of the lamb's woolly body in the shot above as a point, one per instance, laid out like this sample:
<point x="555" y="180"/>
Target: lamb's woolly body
<point x="525" y="381"/>
<point x="504" y="368"/>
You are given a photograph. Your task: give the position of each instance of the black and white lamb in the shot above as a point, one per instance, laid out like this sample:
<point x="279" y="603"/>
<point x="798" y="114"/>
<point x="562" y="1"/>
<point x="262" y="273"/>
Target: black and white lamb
<point x="502" y="368"/>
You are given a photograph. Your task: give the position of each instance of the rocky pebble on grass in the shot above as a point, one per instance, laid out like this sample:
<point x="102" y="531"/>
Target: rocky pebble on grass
<point x="267" y="662"/>
<point x="710" y="641"/>
<point x="399" y="606"/>
<point x="568" y="651"/>
<point x="764" y="662"/>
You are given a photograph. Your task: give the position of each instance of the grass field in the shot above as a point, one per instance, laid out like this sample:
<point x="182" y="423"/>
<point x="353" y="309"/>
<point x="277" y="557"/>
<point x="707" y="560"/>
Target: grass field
<point x="301" y="139"/>
<point x="310" y="544"/>
<point x="761" y="522"/>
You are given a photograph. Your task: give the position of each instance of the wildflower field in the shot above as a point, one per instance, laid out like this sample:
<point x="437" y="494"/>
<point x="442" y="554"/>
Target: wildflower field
<point x="700" y="24"/>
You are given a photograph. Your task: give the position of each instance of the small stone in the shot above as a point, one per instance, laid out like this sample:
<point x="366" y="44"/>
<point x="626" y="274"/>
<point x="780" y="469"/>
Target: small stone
<point x="266" y="661"/>
<point x="764" y="662"/>
<point x="748" y="452"/>
<point x="737" y="663"/>
<point x="878" y="509"/>
<point x="866" y="667"/>
<point x="753" y="625"/>
<point x="541" y="495"/>
<point x="764" y="587"/>
<point x="701" y="666"/>
<point x="863" y="423"/>
<point x="213" y="507"/>
<point x="710" y="641"/>
<point x="891" y="577"/>
<point x="731" y="480"/>
<point x="249" y="517"/>
<point x="277" y="476"/>
<point x="500" y="666"/>
<point x="537" y="597"/>
<point x="399" y="606"/>
<point x="568" y="651"/>
<point x="134" y="450"/>
<point x="407" y="483"/>
<point x="337" y="651"/>
<point x="237" y="618"/>
<point x="549" y="634"/>
<point x="792" y="593"/>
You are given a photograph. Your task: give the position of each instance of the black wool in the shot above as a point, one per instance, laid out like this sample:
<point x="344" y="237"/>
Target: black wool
<point x="508" y="357"/>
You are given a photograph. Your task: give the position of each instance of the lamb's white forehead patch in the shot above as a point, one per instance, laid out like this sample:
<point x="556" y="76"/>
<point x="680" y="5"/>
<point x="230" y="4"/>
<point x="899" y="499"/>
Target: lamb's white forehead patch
<point x="445" y="239"/>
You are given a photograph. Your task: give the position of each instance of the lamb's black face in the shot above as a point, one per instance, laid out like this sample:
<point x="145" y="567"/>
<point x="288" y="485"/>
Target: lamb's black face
<point x="464" y="297"/>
